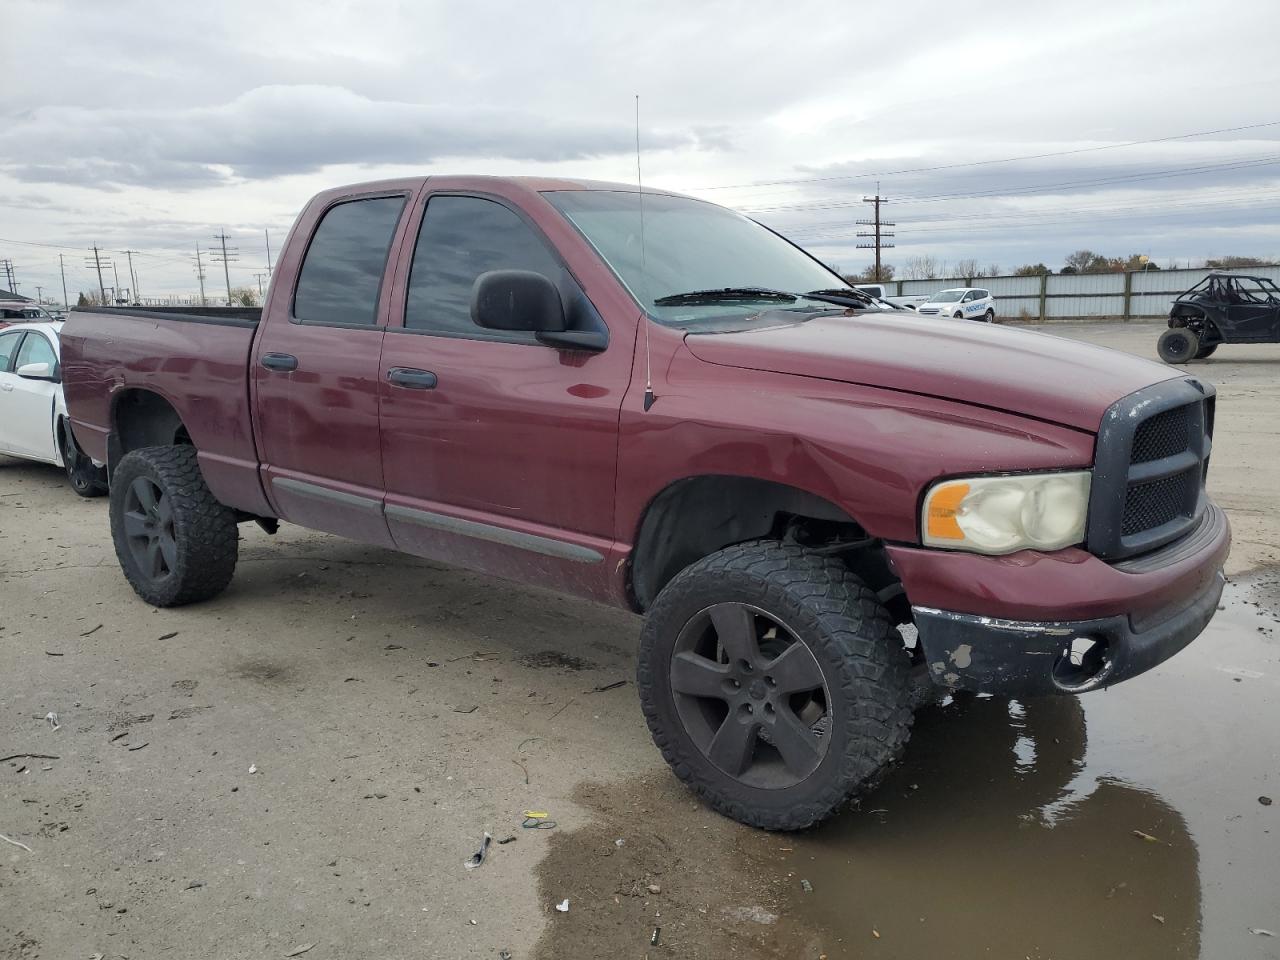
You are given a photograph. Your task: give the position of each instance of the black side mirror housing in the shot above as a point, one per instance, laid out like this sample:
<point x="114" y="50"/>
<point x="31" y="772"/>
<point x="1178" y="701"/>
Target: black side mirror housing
<point x="517" y="300"/>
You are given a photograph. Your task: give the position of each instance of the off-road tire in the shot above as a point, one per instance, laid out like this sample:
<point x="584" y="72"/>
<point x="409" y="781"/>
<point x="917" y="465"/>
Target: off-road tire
<point x="203" y="529"/>
<point x="1178" y="345"/>
<point x="858" y="650"/>
<point x="85" y="479"/>
<point x="1206" y="351"/>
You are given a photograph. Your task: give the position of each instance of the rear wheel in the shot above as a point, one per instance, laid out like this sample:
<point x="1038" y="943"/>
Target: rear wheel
<point x="1178" y="345"/>
<point x="85" y="479"/>
<point x="989" y="316"/>
<point x="175" y="542"/>
<point x="774" y="683"/>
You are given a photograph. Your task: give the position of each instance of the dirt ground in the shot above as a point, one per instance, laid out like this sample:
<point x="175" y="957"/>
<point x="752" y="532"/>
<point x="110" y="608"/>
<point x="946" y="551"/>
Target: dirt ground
<point x="309" y="760"/>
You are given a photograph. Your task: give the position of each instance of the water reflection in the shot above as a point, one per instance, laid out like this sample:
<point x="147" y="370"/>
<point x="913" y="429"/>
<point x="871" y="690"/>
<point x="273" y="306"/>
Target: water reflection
<point x="980" y="846"/>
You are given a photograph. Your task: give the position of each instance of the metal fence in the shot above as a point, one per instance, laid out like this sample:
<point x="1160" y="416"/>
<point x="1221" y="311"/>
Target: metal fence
<point x="1079" y="296"/>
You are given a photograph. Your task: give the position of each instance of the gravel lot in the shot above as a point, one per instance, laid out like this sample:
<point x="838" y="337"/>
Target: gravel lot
<point x="310" y="759"/>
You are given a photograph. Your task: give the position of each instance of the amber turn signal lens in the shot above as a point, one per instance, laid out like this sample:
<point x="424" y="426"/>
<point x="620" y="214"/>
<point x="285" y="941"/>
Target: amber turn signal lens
<point x="944" y="502"/>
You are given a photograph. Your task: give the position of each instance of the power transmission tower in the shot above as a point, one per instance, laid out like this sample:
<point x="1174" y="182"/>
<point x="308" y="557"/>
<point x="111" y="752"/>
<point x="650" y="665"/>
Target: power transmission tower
<point x="96" y="261"/>
<point x="133" y="277"/>
<point x="879" y="232"/>
<point x="267" y="233"/>
<point x="200" y="275"/>
<point x="66" y="305"/>
<point x="228" y="255"/>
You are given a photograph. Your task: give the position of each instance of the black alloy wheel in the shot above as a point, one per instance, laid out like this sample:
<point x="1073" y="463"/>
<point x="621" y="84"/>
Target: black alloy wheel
<point x="148" y="528"/>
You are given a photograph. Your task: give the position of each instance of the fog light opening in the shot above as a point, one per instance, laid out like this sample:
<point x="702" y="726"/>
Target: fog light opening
<point x="1083" y="664"/>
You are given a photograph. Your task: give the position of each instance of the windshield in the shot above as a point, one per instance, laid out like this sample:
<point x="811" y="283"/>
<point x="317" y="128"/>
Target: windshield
<point x="946" y="296"/>
<point x="692" y="246"/>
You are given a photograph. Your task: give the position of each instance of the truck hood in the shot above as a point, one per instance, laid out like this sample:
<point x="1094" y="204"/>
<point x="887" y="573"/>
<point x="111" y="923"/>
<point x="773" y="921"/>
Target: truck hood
<point x="1033" y="374"/>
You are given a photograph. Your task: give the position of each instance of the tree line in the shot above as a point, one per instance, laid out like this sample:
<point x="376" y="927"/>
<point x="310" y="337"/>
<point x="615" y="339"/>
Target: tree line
<point x="1079" y="261"/>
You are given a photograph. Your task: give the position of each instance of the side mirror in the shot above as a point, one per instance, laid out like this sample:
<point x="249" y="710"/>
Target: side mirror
<point x="38" y="371"/>
<point x="516" y="300"/>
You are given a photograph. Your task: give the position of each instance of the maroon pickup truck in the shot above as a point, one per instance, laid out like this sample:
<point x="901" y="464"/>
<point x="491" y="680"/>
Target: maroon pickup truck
<point x="824" y="510"/>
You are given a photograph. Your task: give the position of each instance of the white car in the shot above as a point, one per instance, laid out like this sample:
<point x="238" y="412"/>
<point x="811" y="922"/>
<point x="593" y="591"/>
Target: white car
<point x="962" y="303"/>
<point x="33" y="412"/>
<point x="881" y="292"/>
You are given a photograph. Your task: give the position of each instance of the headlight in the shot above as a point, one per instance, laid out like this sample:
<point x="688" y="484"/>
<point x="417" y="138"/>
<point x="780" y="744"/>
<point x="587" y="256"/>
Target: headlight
<point x="1044" y="511"/>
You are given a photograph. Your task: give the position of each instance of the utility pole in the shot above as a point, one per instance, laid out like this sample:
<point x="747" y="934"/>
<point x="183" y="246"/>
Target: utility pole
<point x="267" y="233"/>
<point x="200" y="275"/>
<point x="115" y="291"/>
<point x="97" y="262"/>
<point x="258" y="277"/>
<point x="39" y="293"/>
<point x="66" y="304"/>
<point x="8" y="272"/>
<point x="226" y="258"/>
<point x="133" y="277"/>
<point x="878" y="233"/>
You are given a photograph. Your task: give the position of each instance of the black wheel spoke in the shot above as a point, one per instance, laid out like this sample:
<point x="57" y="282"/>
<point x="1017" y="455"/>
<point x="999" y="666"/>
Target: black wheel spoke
<point x="795" y="670"/>
<point x="135" y="525"/>
<point x="736" y="627"/>
<point x="169" y="551"/>
<point x="801" y="750"/>
<point x="697" y="676"/>
<point x="734" y="745"/>
<point x="155" y="566"/>
<point x="145" y="492"/>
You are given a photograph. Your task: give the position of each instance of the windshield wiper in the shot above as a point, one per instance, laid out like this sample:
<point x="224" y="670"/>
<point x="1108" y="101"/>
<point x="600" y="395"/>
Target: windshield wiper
<point x="851" y="297"/>
<point x="725" y="295"/>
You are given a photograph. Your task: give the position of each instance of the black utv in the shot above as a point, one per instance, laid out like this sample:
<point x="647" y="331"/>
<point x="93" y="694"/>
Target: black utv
<point x="1221" y="308"/>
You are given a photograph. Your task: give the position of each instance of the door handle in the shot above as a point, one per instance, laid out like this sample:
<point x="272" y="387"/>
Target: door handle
<point x="411" y="378"/>
<point x="279" y="361"/>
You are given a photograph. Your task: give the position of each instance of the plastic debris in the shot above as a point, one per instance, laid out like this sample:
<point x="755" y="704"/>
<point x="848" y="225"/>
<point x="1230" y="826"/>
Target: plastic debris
<point x="1159" y="919"/>
<point x="537" y="820"/>
<point x="28" y="849"/>
<point x="477" y="858"/>
<point x="510" y="838"/>
<point x="1145" y="836"/>
<point x="875" y="933"/>
<point x="618" y="843"/>
<point x="253" y="768"/>
<point x="806" y="886"/>
<point x="299" y="951"/>
<point x="1265" y="801"/>
<point x="563" y="905"/>
<point x="504" y="955"/>
<point x="655" y="936"/>
<point x="1259" y="932"/>
<point x="654" y="888"/>
<point x="53" y="720"/>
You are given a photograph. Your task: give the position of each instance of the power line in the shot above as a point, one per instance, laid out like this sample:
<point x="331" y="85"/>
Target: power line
<point x="983" y="163"/>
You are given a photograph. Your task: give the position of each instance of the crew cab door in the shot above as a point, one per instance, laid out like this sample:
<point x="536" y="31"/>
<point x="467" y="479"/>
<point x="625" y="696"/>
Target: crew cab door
<point x="499" y="453"/>
<point x="314" y="367"/>
<point x="26" y="405"/>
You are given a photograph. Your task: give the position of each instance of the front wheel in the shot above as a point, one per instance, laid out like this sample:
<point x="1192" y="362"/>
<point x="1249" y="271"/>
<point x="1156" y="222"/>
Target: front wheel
<point x="175" y="542"/>
<point x="774" y="683"/>
<point x="1206" y="351"/>
<point x="1178" y="345"/>
<point x="958" y="316"/>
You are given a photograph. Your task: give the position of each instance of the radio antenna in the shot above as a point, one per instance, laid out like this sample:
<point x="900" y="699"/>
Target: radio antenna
<point x="644" y="271"/>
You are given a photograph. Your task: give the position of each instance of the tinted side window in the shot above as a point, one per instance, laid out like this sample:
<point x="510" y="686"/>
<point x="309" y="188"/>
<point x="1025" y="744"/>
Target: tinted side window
<point x="461" y="238"/>
<point x="342" y="271"/>
<point x="8" y="344"/>
<point x="35" y="349"/>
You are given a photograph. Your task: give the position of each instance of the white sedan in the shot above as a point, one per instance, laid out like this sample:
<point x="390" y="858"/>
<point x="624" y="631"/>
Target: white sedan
<point x="33" y="412"/>
<point x="962" y="303"/>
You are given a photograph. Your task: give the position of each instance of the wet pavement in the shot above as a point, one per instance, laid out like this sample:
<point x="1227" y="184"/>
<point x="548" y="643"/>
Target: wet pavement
<point x="1124" y="823"/>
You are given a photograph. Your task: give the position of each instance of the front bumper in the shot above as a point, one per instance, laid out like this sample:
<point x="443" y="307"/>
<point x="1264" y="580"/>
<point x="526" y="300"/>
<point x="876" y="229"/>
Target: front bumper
<point x="1016" y="657"/>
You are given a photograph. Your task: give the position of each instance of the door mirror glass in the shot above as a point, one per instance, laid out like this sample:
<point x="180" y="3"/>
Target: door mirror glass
<point x="36" y="371"/>
<point x="516" y="300"/>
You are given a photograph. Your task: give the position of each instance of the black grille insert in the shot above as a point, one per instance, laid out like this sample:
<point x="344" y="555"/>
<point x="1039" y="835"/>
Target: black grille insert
<point x="1153" y="504"/>
<point x="1164" y="435"/>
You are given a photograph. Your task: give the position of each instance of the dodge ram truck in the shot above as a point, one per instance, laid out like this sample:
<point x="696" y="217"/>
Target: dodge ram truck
<point x="824" y="512"/>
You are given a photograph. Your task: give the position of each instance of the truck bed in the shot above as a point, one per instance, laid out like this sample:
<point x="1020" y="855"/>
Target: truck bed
<point x="194" y="359"/>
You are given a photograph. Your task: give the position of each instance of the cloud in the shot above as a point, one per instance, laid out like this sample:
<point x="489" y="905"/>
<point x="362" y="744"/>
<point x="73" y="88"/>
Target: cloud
<point x="278" y="130"/>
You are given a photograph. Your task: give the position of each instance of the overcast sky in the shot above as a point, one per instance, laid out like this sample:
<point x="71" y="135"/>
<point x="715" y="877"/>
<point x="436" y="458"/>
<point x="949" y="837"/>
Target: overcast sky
<point x="154" y="125"/>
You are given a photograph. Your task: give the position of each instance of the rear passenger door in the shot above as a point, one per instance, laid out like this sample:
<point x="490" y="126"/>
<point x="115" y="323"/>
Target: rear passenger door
<point x="503" y="456"/>
<point x="315" y="372"/>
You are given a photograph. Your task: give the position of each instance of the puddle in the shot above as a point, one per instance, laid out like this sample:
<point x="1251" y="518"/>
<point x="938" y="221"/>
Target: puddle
<point x="1009" y="830"/>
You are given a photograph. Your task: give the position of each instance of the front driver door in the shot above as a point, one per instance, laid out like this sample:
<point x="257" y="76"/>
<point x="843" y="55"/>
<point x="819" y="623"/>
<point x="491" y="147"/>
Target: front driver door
<point x="29" y="404"/>
<point x="9" y="343"/>
<point x="504" y="458"/>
